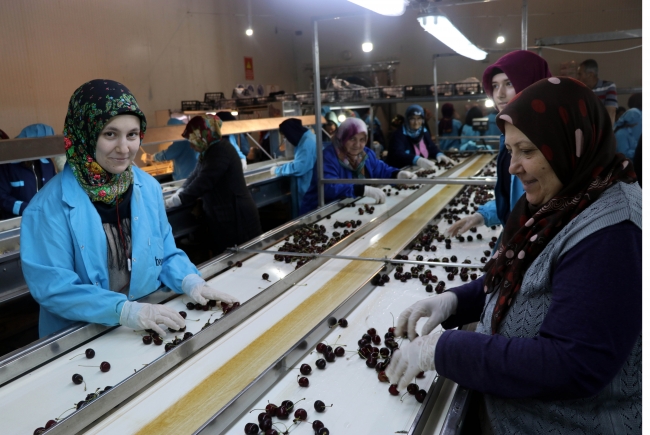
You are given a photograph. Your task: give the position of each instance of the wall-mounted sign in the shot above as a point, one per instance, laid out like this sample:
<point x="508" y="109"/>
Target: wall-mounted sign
<point x="248" y="68"/>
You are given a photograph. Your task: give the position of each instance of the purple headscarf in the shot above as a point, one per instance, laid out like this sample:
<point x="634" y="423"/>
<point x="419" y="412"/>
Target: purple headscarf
<point x="523" y="68"/>
<point x="347" y="129"/>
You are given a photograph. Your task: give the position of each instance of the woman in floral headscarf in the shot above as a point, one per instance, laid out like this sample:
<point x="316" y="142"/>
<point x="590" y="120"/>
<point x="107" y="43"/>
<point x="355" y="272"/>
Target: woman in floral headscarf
<point x="219" y="180"/>
<point x="558" y="345"/>
<point x="96" y="237"/>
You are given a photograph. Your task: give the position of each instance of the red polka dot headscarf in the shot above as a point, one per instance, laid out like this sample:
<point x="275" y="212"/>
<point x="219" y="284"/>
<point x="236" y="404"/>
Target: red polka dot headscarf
<point x="572" y="129"/>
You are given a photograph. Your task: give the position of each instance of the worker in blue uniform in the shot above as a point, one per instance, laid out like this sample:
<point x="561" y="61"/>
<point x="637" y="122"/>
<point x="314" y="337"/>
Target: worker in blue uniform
<point x="179" y="152"/>
<point x="628" y="127"/>
<point x="349" y="158"/>
<point x="96" y="237"/>
<point x="20" y="181"/>
<point x="243" y="147"/>
<point x="304" y="158"/>
<point x="449" y="126"/>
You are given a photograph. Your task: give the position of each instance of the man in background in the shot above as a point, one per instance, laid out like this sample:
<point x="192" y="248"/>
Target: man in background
<point x="606" y="91"/>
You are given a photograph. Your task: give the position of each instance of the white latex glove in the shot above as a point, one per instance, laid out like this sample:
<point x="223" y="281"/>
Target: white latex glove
<point x="174" y="200"/>
<point x="424" y="163"/>
<point x="463" y="225"/>
<point x="443" y="159"/>
<point x="148" y="316"/>
<point x="411" y="359"/>
<point x="195" y="287"/>
<point x="244" y="165"/>
<point x="436" y="308"/>
<point x="403" y="175"/>
<point x="274" y="170"/>
<point x="377" y="194"/>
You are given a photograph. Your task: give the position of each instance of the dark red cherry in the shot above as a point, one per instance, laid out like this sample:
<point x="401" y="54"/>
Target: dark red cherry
<point x="239" y="264"/>
<point x="330" y="357"/>
<point x="261" y="416"/>
<point x="420" y="396"/>
<point x="376" y="339"/>
<point x="429" y="288"/>
<point x="282" y="413"/>
<point x="39" y="431"/>
<point x="384" y="352"/>
<point x="320" y="347"/>
<point x="251" y="428"/>
<point x="50" y="423"/>
<point x="90" y="354"/>
<point x="271" y="409"/>
<point x="266" y="424"/>
<point x="303" y="382"/>
<point x="321" y="363"/>
<point x="320" y="406"/>
<point x="420" y="375"/>
<point x="77" y="378"/>
<point x="372" y="332"/>
<point x="105" y="366"/>
<point x="317" y="424"/>
<point x="339" y="351"/>
<point x="157" y="341"/>
<point x="265" y="276"/>
<point x="190" y="306"/>
<point x="323" y="431"/>
<point x="343" y="323"/>
<point x="300" y="414"/>
<point x="183" y="314"/>
<point x="382" y="376"/>
<point x="305" y="369"/>
<point x="271" y="432"/>
<point x="393" y="390"/>
<point x="371" y="362"/>
<point x="412" y="388"/>
<point x="147" y="339"/>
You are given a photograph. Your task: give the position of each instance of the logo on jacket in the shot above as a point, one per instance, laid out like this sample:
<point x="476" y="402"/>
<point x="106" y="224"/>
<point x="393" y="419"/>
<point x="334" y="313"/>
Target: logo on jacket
<point x="158" y="261"/>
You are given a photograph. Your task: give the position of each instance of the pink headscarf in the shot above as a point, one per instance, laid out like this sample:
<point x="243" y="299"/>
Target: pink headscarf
<point x="347" y="129"/>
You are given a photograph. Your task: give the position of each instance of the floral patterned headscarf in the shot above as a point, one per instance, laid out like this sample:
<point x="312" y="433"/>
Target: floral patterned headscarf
<point x="91" y="106"/>
<point x="203" y="131"/>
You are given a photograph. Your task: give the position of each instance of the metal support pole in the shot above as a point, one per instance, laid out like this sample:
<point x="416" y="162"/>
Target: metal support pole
<point x="259" y="146"/>
<point x="435" y="96"/>
<point x="319" y="125"/>
<point x="524" y="24"/>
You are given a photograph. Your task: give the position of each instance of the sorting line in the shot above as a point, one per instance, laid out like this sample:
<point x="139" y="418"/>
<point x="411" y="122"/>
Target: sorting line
<point x="196" y="407"/>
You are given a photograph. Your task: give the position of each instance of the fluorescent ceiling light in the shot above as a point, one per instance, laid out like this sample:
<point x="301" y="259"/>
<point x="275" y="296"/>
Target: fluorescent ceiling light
<point x="500" y="39"/>
<point x="367" y="47"/>
<point x="383" y="7"/>
<point x="341" y="117"/>
<point x="234" y="113"/>
<point x="489" y="103"/>
<point x="249" y="32"/>
<point x="440" y="27"/>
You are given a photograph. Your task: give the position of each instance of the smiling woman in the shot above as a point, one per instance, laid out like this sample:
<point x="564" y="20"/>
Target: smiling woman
<point x="118" y="143"/>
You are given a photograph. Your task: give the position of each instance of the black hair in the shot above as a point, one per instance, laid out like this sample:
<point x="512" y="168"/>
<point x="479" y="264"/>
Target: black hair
<point x="590" y="65"/>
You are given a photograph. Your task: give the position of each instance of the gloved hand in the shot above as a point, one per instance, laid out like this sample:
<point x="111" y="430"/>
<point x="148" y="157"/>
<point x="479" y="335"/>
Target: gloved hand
<point x="436" y="308"/>
<point x="459" y="227"/>
<point x="195" y="287"/>
<point x="174" y="200"/>
<point x="403" y="175"/>
<point x="244" y="165"/>
<point x="411" y="359"/>
<point x="424" y="163"/>
<point x="377" y="194"/>
<point x="148" y="316"/>
<point x="274" y="170"/>
<point x="147" y="158"/>
<point x="443" y="159"/>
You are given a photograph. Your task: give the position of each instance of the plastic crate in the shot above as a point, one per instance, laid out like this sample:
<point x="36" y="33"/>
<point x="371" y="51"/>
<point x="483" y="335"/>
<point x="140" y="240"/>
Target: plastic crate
<point x="264" y="100"/>
<point x="305" y="97"/>
<point x="227" y="105"/>
<point x="445" y="89"/>
<point x="348" y="95"/>
<point x="190" y="105"/>
<point x="370" y="93"/>
<point x="213" y="97"/>
<point x="392" y="92"/>
<point x="328" y="96"/>
<point x="245" y="102"/>
<point x="467" y="88"/>
<point x="418" y="90"/>
<point x="284" y="97"/>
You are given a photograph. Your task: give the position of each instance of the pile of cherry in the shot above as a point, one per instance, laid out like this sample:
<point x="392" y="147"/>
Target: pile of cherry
<point x="282" y="412"/>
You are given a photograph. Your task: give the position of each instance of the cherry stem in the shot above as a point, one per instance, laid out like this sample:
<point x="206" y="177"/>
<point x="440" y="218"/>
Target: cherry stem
<point x="391" y="314"/>
<point x="87" y="366"/>
<point x="337" y="340"/>
<point x="59" y="417"/>
<point x="257" y="410"/>
<point x="401" y="399"/>
<point x="76" y="356"/>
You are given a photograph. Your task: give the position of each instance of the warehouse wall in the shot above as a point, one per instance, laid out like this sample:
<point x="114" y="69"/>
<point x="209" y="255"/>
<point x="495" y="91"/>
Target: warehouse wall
<point x="165" y="51"/>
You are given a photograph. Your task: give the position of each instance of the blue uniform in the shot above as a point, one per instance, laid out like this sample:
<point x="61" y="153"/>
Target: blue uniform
<point x="401" y="152"/>
<point x="181" y="153"/>
<point x="445" y="144"/>
<point x="233" y="140"/>
<point x="332" y="169"/>
<point x="303" y="164"/>
<point x="628" y="132"/>
<point x="471" y="144"/>
<point x="495" y="212"/>
<point x="64" y="253"/>
<point x="492" y="130"/>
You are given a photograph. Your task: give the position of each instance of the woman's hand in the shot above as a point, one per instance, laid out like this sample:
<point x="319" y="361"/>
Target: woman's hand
<point x="436" y="308"/>
<point x="463" y="225"/>
<point x="406" y="175"/>
<point x="148" y="316"/>
<point x="195" y="287"/>
<point x="377" y="194"/>
<point x="424" y="163"/>
<point x="411" y="359"/>
<point x="443" y="159"/>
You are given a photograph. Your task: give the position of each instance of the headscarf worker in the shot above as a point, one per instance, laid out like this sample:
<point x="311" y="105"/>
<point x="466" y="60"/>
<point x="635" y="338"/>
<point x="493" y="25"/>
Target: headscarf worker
<point x="219" y="180"/>
<point x="179" y="152"/>
<point x="558" y="345"/>
<point x="304" y="157"/>
<point x="412" y="144"/>
<point x="348" y="157"/>
<point x="96" y="237"/>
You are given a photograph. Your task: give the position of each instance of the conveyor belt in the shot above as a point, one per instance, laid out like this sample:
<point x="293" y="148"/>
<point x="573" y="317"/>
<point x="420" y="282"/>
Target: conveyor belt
<point x="314" y="309"/>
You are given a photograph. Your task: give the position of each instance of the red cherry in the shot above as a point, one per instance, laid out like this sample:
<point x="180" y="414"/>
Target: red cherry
<point x="147" y="339"/>
<point x="300" y="414"/>
<point x="50" y="423"/>
<point x="393" y="390"/>
<point x="339" y="351"/>
<point x="183" y="314"/>
<point x="305" y="369"/>
<point x="105" y="366"/>
<point x="382" y="377"/>
<point x="271" y="409"/>
<point x="420" y="396"/>
<point x="303" y="382"/>
<point x="251" y="428"/>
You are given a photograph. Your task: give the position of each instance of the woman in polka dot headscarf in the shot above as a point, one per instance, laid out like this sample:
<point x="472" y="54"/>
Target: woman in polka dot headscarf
<point x="558" y="348"/>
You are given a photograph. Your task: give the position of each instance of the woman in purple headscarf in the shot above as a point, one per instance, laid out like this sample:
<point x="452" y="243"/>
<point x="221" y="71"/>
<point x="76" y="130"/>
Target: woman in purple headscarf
<point x="348" y="157"/>
<point x="508" y="76"/>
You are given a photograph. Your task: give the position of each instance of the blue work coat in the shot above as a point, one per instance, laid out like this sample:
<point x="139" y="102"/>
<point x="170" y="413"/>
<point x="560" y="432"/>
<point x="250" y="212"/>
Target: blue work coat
<point x="233" y="140"/>
<point x="445" y="144"/>
<point x="183" y="156"/>
<point x="64" y="253"/>
<point x="18" y="185"/>
<point x="303" y="164"/>
<point x="628" y="132"/>
<point x="332" y="169"/>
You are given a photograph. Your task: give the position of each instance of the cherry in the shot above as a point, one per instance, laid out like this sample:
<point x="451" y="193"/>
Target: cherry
<point x="317" y="424"/>
<point x="271" y="432"/>
<point x="320" y="406"/>
<point x="187" y="335"/>
<point x="429" y="288"/>
<point x="39" y="431"/>
<point x="157" y="341"/>
<point x="105" y="366"/>
<point x="339" y="351"/>
<point x="50" y="423"/>
<point x="382" y="376"/>
<point x="190" y="306"/>
<point x="266" y="424"/>
<point x="393" y="390"/>
<point x="321" y="363"/>
<point x="392" y="330"/>
<point x="90" y="353"/>
<point x="265" y="276"/>
<point x="300" y="414"/>
<point x="239" y="264"/>
<point x="251" y="428"/>
<point x="330" y="357"/>
<point x="169" y="346"/>
<point x="305" y="369"/>
<point x="321" y="347"/>
<point x="77" y="378"/>
<point x="183" y="314"/>
<point x="420" y="396"/>
<point x="282" y="413"/>
<point x="412" y="388"/>
<point x="303" y="382"/>
<point x="376" y="339"/>
<point x="384" y="352"/>
<point x="288" y="404"/>
<point x="271" y="409"/>
<point x="323" y="431"/>
<point x="343" y="323"/>
<point x="420" y="375"/>
<point x="371" y="362"/>
<point x="372" y="332"/>
<point x="147" y="339"/>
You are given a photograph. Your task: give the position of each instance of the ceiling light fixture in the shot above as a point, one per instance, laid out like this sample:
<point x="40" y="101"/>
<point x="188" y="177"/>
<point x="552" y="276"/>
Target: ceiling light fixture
<point x="441" y="28"/>
<point x="249" y="32"/>
<point x="500" y="39"/>
<point x="367" y="47"/>
<point x="489" y="103"/>
<point x="384" y="7"/>
<point x="234" y="113"/>
<point x="342" y="117"/>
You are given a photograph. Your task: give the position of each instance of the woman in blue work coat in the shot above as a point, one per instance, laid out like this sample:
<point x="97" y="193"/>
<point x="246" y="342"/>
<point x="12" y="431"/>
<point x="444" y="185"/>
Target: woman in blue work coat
<point x="19" y="182"/>
<point x="180" y="152"/>
<point x="348" y="157"/>
<point x="96" y="237"/>
<point x="304" y="158"/>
